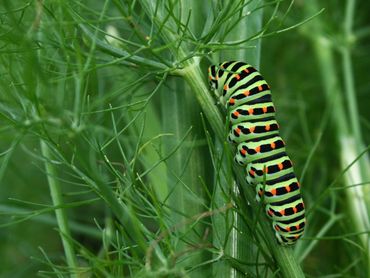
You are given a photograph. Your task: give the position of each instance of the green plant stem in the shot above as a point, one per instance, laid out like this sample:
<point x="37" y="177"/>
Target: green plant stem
<point x="250" y="25"/>
<point x="60" y="213"/>
<point x="350" y="93"/>
<point x="240" y="244"/>
<point x="185" y="165"/>
<point x="350" y="90"/>
<point x="357" y="196"/>
<point x="346" y="121"/>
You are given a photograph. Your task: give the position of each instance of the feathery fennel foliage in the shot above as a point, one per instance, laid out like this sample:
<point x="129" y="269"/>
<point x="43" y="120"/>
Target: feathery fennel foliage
<point x="105" y="106"/>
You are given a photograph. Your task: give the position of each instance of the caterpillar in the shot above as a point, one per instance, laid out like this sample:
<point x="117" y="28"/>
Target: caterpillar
<point x="247" y="98"/>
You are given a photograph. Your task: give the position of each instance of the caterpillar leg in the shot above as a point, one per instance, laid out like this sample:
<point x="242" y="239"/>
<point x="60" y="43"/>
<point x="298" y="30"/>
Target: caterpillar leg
<point x="260" y="189"/>
<point x="288" y="240"/>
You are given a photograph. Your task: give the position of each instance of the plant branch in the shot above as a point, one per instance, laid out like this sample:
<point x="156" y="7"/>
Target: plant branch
<point x="60" y="213"/>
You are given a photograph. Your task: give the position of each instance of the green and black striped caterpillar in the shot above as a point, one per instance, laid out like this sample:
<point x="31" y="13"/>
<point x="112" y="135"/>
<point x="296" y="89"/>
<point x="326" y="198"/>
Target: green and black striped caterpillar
<point x="247" y="97"/>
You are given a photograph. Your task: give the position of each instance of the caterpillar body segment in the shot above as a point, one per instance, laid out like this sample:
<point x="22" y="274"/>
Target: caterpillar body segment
<point x="250" y="130"/>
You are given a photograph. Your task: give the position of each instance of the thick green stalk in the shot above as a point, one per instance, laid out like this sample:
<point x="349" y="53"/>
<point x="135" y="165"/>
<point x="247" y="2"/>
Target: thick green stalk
<point x="346" y="121"/>
<point x="348" y="70"/>
<point x="179" y="113"/>
<point x="349" y="148"/>
<point x="60" y="213"/>
<point x="360" y="172"/>
<point x="239" y="246"/>
<point x="350" y="90"/>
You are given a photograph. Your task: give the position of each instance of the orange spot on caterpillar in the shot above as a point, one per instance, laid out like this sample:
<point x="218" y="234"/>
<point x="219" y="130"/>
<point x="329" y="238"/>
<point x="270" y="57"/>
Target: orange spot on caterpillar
<point x="251" y="111"/>
<point x="251" y="129"/>
<point x="232" y="101"/>
<point x="267" y="128"/>
<point x="264" y="109"/>
<point x="246" y="70"/>
<point x="226" y="87"/>
<point x="260" y="88"/>
<point x="251" y="172"/>
<point x="237" y="76"/>
<point x="272" y="145"/>
<point x="246" y="93"/>
<point x="282" y="212"/>
<point x="258" y="149"/>
<point x="243" y="152"/>
<point x="287" y="188"/>
<point x="273" y="192"/>
<point x="281" y="166"/>
<point x="237" y="130"/>
<point x="295" y="209"/>
<point x="236" y="114"/>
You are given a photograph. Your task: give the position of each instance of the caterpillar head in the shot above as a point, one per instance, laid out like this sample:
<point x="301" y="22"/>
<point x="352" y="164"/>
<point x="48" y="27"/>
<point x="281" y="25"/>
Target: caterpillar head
<point x="212" y="75"/>
<point x="214" y="81"/>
